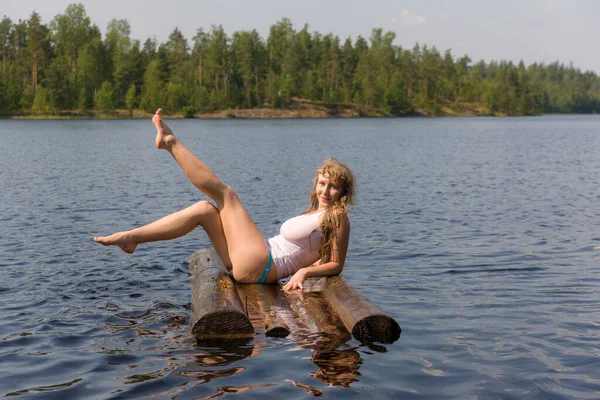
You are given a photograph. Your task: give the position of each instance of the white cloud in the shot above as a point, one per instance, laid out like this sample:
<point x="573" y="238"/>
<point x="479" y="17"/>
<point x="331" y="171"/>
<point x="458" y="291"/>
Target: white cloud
<point x="409" y="18"/>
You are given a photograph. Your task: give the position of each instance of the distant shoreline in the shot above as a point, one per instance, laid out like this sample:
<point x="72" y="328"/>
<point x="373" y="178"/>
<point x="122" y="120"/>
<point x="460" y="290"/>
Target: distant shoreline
<point x="304" y="110"/>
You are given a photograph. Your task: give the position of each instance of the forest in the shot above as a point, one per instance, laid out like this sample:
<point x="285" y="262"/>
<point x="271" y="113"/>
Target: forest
<point x="67" y="65"/>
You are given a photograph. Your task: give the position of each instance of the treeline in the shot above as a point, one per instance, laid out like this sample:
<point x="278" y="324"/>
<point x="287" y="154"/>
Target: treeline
<point x="67" y="65"/>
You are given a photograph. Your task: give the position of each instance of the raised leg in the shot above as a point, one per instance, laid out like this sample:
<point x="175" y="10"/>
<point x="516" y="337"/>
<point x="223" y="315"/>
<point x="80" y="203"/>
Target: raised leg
<point x="246" y="245"/>
<point x="173" y="226"/>
<point x="197" y="172"/>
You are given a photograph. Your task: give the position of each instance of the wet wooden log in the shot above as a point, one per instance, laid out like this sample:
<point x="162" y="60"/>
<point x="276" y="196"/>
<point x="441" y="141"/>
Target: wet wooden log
<point x="274" y="324"/>
<point x="217" y="311"/>
<point x="319" y="327"/>
<point x="264" y="306"/>
<point x="367" y="322"/>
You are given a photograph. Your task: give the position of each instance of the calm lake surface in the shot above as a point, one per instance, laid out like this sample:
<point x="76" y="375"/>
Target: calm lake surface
<point x="478" y="235"/>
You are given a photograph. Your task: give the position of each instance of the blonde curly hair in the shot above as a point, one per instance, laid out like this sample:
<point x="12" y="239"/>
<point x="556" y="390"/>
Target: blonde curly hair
<point x="332" y="218"/>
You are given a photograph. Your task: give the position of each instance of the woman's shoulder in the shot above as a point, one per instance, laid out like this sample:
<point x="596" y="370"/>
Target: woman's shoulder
<point x="342" y="216"/>
<point x="342" y="212"/>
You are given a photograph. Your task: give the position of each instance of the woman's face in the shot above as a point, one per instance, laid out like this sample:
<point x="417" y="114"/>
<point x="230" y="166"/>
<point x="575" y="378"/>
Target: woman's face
<point x="328" y="191"/>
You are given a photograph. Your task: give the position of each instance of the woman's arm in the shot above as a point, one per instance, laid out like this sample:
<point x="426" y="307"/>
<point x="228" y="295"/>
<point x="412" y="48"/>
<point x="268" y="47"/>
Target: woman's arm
<point x="334" y="266"/>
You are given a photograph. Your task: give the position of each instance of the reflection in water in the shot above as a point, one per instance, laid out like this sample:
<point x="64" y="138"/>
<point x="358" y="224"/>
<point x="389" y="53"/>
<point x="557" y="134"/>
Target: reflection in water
<point x="222" y="352"/>
<point x="516" y="224"/>
<point x="43" y="388"/>
<point x="212" y="353"/>
<point x="378" y="348"/>
<point x="224" y="390"/>
<point x="203" y="376"/>
<point x="307" y="318"/>
<point x="199" y="362"/>
<point x="138" y="378"/>
<point x="337" y="367"/>
<point x="312" y="390"/>
<point x="312" y="325"/>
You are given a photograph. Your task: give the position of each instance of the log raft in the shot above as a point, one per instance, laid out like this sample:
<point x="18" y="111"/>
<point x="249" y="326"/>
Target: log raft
<point x="217" y="311"/>
<point x="222" y="309"/>
<point x="367" y="322"/>
<point x="264" y="308"/>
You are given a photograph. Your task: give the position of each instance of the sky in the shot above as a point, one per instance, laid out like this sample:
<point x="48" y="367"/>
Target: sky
<point x="541" y="31"/>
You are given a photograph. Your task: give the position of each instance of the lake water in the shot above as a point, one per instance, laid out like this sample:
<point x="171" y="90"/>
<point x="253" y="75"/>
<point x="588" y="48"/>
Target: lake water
<point x="478" y="235"/>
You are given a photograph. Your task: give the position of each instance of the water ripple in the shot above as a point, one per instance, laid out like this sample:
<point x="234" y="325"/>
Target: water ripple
<point x="477" y="235"/>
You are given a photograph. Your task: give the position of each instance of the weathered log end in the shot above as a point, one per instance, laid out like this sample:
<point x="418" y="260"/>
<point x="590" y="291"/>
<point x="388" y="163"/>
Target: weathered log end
<point x="367" y="322"/>
<point x="217" y="311"/>
<point x="376" y="328"/>
<point x="275" y="326"/>
<point x="223" y="324"/>
<point x="279" y="330"/>
<point x="261" y="302"/>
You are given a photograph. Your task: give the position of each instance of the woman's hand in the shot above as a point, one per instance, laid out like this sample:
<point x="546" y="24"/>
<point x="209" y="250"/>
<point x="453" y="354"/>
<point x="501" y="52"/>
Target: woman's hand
<point x="296" y="281"/>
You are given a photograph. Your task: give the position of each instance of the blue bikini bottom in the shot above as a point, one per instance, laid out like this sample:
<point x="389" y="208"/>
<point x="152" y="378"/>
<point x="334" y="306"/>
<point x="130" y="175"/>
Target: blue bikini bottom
<point x="263" y="277"/>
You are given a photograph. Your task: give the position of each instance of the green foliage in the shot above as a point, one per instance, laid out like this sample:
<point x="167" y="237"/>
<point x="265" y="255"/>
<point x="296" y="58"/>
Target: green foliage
<point x="189" y="111"/>
<point x="42" y="102"/>
<point x="86" y="99"/>
<point x="396" y="99"/>
<point x="177" y="54"/>
<point x="130" y="99"/>
<point x="13" y="89"/>
<point x="104" y="97"/>
<point x="249" y="59"/>
<point x="67" y="64"/>
<point x="201" y="98"/>
<point x="120" y="58"/>
<point x="152" y="90"/>
<point x="216" y="100"/>
<point x="70" y="33"/>
<point x="175" y="97"/>
<point x="3" y="101"/>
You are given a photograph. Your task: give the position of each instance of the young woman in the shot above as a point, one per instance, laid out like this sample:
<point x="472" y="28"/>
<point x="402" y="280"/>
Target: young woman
<point x="318" y="238"/>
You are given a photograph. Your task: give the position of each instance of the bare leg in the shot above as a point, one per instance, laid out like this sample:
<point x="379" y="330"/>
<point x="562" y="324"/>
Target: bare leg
<point x="197" y="172"/>
<point x="247" y="249"/>
<point x="173" y="226"/>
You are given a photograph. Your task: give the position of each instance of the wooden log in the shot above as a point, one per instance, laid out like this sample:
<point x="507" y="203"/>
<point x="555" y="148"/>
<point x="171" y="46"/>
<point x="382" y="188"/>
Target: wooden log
<point x="367" y="322"/>
<point x="263" y="304"/>
<point x="217" y="311"/>
<point x="324" y="330"/>
<point x="305" y="327"/>
<point x="274" y="324"/>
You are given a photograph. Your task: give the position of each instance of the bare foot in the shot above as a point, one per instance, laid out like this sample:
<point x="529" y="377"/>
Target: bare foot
<point x="120" y="239"/>
<point x="164" y="134"/>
